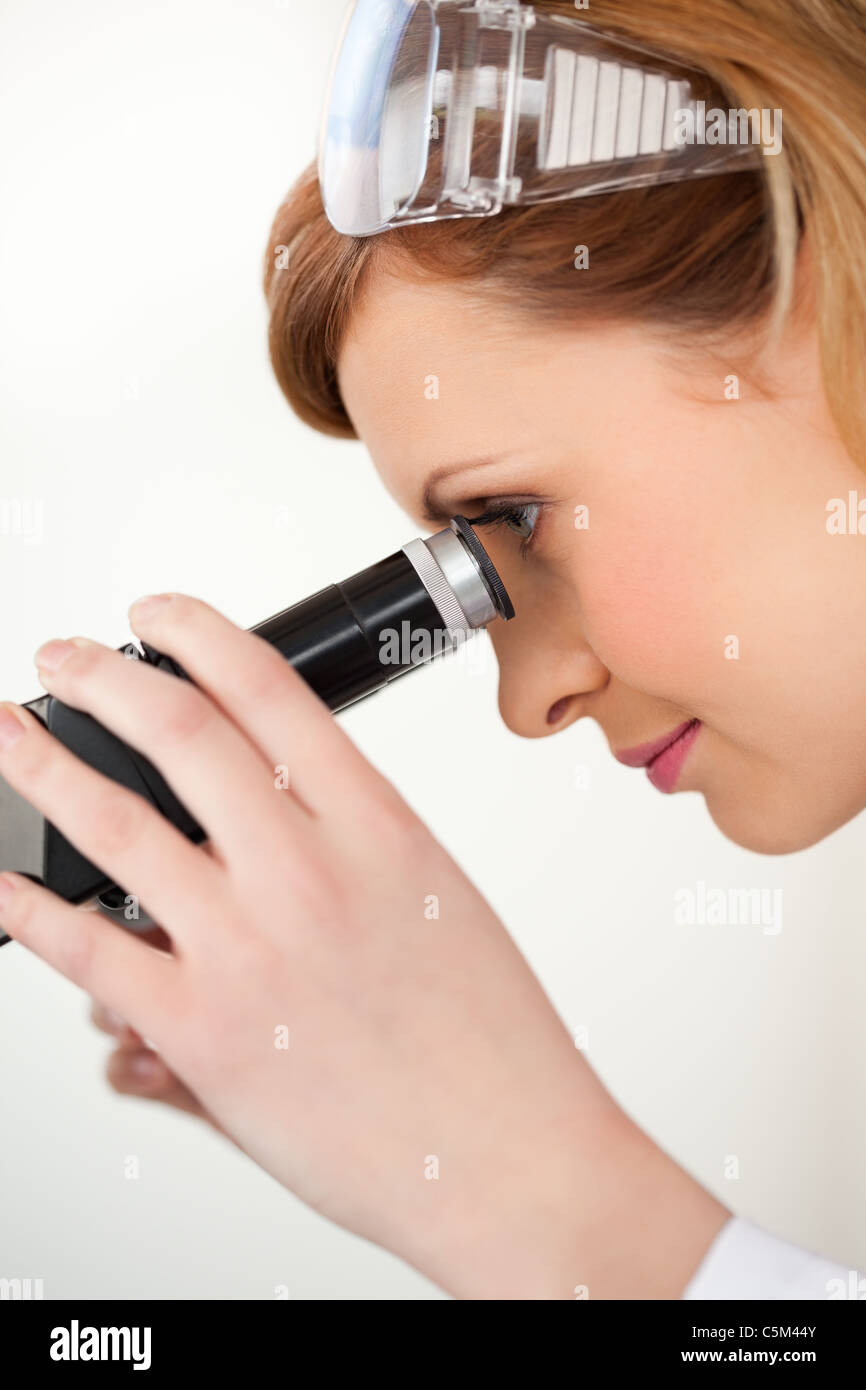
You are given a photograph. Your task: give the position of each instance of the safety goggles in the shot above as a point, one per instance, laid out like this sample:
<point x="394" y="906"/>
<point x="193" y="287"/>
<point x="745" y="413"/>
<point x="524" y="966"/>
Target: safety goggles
<point x="439" y="109"/>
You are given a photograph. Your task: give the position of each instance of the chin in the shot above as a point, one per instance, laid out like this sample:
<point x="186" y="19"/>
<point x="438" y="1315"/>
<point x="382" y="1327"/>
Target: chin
<point x="771" y="826"/>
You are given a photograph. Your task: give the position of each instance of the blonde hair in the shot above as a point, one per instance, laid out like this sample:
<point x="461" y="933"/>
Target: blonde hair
<point x="702" y="260"/>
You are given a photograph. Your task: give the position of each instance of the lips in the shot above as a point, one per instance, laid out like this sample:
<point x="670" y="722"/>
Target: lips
<point x="663" y="757"/>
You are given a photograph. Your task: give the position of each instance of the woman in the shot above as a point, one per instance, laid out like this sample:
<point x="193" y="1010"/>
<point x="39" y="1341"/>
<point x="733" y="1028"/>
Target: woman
<point x="654" y="447"/>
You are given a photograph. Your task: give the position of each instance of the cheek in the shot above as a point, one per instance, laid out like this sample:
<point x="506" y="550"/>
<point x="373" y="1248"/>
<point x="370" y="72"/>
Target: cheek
<point x="656" y="595"/>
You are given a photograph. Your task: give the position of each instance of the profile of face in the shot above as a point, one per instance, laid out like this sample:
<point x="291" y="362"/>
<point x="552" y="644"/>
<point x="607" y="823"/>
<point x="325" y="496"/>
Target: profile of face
<point x="668" y="552"/>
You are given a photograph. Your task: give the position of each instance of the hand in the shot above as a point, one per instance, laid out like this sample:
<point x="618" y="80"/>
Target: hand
<point x="134" y="1068"/>
<point x="339" y="997"/>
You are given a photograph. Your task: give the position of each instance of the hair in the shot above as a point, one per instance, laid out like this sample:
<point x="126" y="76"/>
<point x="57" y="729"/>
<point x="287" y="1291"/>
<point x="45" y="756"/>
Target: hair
<point x="706" y="262"/>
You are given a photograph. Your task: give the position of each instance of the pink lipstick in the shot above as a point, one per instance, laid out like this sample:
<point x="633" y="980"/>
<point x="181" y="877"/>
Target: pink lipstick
<point x="663" y="757"/>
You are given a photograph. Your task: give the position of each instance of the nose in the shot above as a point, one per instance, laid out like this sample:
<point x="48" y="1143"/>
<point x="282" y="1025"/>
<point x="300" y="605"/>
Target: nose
<point x="546" y="666"/>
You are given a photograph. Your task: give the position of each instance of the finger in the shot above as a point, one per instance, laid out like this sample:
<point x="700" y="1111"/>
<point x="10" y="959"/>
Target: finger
<point x="107" y="1021"/>
<point x="263" y="694"/>
<point x="142" y="1072"/>
<point x="204" y="757"/>
<point x="136" y="982"/>
<point x="112" y="826"/>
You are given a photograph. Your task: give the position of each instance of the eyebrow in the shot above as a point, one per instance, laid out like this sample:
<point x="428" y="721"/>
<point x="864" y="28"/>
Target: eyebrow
<point x="434" y="506"/>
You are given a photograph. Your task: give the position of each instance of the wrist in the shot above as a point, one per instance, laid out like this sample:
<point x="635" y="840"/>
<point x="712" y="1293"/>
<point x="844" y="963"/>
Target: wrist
<point x="595" y="1211"/>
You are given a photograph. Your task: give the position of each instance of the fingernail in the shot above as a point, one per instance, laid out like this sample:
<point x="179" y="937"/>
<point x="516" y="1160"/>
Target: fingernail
<point x="51" y="655"/>
<point x="144" y="606"/>
<point x="114" y="1020"/>
<point x="145" y="1065"/>
<point x="11" y="727"/>
<point x="7" y="888"/>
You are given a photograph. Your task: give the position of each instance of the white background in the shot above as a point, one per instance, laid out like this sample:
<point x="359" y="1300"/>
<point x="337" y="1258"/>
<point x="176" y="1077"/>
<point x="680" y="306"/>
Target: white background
<point x="145" y="148"/>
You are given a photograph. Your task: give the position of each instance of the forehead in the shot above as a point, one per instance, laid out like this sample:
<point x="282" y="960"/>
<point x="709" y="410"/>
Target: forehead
<point x="432" y="373"/>
<point x="426" y="372"/>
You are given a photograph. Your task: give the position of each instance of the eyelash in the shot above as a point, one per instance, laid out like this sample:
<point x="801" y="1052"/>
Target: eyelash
<point x="501" y="513"/>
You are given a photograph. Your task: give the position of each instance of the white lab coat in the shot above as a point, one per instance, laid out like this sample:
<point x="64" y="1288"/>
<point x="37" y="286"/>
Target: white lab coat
<point x="746" y="1262"/>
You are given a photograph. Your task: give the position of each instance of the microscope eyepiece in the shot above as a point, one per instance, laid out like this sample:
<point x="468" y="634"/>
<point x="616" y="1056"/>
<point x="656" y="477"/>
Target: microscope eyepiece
<point x="460" y="577"/>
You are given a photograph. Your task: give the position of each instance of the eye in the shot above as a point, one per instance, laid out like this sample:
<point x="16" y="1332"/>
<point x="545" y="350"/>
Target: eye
<point x="519" y="517"/>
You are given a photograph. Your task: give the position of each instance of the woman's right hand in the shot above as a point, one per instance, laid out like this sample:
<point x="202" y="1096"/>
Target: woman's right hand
<point x="414" y="1041"/>
<point x="134" y="1068"/>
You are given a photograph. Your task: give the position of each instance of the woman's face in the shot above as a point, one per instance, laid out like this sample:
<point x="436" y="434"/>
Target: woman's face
<point x="700" y="582"/>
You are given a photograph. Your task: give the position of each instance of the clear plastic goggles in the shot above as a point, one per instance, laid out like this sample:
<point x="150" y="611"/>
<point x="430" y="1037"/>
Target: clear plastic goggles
<point x="439" y="109"/>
